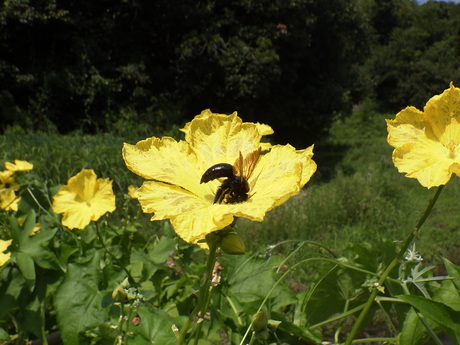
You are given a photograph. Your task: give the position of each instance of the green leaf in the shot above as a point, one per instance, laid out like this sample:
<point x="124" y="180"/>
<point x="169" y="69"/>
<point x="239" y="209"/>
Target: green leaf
<point x="4" y="336"/>
<point x="447" y="293"/>
<point x="12" y="286"/>
<point x="447" y="318"/>
<point x="27" y="267"/>
<point x="156" y="326"/>
<point x="31" y="318"/>
<point x="453" y="271"/>
<point x="413" y="330"/>
<point x="160" y="253"/>
<point x="79" y="303"/>
<point x="35" y="246"/>
<point x="251" y="278"/>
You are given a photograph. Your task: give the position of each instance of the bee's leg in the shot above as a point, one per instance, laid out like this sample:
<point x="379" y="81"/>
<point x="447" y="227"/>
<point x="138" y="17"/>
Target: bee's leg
<point x="223" y="192"/>
<point x="220" y="195"/>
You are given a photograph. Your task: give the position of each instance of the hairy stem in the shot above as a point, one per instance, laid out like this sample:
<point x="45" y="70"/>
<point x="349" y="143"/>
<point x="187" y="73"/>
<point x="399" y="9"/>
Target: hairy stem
<point x="391" y="266"/>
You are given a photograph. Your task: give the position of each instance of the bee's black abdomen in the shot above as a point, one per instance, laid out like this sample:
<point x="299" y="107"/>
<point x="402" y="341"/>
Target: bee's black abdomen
<point x="217" y="171"/>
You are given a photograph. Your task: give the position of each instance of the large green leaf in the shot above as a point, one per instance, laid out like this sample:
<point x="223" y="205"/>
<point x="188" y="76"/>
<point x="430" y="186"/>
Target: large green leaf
<point x="413" y="330"/>
<point x="439" y="313"/>
<point x="251" y="278"/>
<point x="79" y="303"/>
<point x="35" y="247"/>
<point x="156" y="326"/>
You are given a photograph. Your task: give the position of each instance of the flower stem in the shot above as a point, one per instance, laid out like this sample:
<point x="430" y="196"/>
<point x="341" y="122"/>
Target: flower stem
<point x="203" y="295"/>
<point x="362" y="316"/>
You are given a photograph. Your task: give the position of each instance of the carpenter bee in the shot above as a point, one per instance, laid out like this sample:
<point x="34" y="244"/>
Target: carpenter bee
<point x="235" y="188"/>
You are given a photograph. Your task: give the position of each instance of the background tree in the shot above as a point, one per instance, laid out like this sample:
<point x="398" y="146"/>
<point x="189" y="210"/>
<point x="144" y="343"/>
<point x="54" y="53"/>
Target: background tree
<point x="419" y="59"/>
<point x="87" y="65"/>
<point x="146" y="66"/>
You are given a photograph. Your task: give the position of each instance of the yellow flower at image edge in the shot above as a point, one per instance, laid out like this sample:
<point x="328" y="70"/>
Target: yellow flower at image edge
<point x="4" y="257"/>
<point x="19" y="165"/>
<point x="85" y="198"/>
<point x="9" y="200"/>
<point x="8" y="187"/>
<point x="427" y="143"/>
<point x="174" y="170"/>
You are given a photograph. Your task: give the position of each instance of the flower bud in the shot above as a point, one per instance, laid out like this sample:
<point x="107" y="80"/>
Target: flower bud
<point x="259" y="321"/>
<point x="119" y="294"/>
<point x="232" y="243"/>
<point x="125" y="283"/>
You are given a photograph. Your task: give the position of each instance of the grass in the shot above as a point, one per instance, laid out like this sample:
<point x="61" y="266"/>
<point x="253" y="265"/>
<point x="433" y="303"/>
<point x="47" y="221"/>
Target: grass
<point x="356" y="196"/>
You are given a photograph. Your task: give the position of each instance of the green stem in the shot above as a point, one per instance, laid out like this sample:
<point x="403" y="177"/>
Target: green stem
<point x="376" y="340"/>
<point x="203" y="295"/>
<point x="120" y="326"/>
<point x="391" y="266"/>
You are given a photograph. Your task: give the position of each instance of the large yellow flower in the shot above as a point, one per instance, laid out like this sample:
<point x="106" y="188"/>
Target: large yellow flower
<point x="4" y="257"/>
<point x="427" y="144"/>
<point x="85" y="198"/>
<point x="174" y="170"/>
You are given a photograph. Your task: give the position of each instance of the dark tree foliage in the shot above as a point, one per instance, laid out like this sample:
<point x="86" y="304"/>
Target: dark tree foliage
<point x="419" y="60"/>
<point x="146" y="65"/>
<point x="88" y="64"/>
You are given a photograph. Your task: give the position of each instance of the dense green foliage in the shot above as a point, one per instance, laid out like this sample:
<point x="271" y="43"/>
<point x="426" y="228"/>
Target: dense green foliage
<point x="127" y="70"/>
<point x="361" y="212"/>
<point x="145" y="66"/>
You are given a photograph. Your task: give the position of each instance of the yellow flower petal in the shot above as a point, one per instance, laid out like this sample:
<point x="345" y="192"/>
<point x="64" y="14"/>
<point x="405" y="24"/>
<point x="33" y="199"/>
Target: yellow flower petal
<point x="193" y="226"/>
<point x="3" y="246"/>
<point x="441" y="111"/>
<point x="176" y="169"/>
<point x="427" y="144"/>
<point x="166" y="200"/>
<point x="280" y="174"/>
<point x="19" y="166"/>
<point x="7" y="180"/>
<point x="84" y="199"/>
<point x="220" y="138"/>
<point x="164" y="160"/>
<point x="132" y="191"/>
<point x="9" y="200"/>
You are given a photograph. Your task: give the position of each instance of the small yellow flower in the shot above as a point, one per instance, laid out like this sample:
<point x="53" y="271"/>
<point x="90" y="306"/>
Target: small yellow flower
<point x="7" y="180"/>
<point x="174" y="170"/>
<point x="427" y="144"/>
<point x="19" y="165"/>
<point x="85" y="198"/>
<point x="3" y="246"/>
